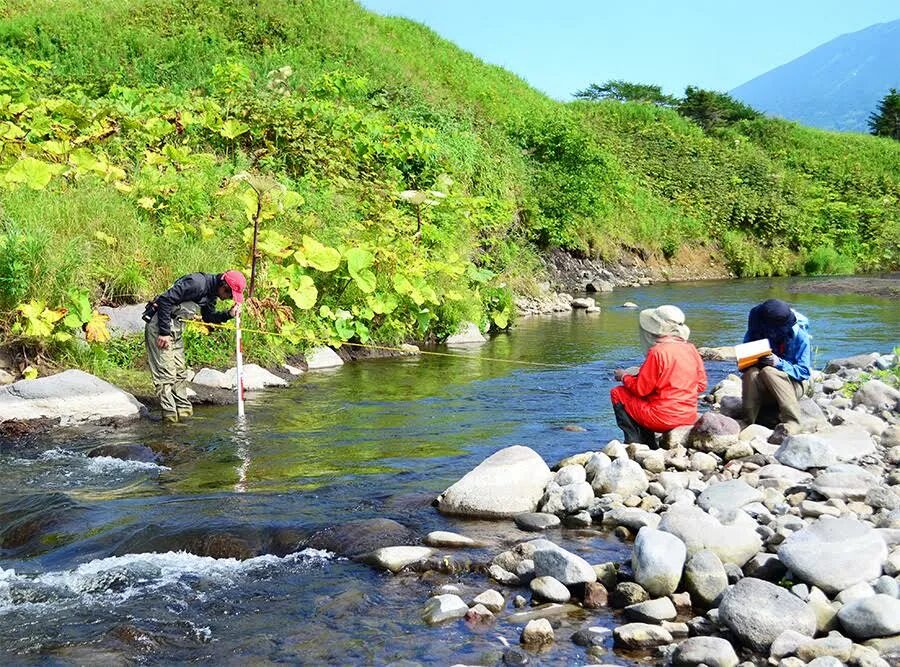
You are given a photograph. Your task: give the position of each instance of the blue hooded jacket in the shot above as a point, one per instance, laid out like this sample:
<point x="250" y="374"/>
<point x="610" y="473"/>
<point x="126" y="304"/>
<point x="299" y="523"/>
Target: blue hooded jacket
<point x="788" y="336"/>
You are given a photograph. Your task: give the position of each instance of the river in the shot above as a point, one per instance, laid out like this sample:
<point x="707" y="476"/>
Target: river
<point x="371" y="439"/>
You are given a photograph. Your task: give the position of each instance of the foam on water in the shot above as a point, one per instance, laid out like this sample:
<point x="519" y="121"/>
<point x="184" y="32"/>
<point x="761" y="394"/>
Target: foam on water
<point x="100" y="464"/>
<point x="116" y="579"/>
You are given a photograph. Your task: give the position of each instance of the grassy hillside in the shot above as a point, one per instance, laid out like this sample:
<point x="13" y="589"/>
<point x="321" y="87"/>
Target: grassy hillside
<point x="402" y="185"/>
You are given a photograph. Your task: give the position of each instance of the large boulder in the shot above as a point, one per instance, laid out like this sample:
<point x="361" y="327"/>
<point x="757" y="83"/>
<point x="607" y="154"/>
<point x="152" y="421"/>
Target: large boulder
<point x="622" y="476"/>
<point x="255" y="378"/>
<point x="757" y="612"/>
<point x="834" y="554"/>
<point x="733" y="540"/>
<point x="705" y="578"/>
<point x="714" y="432"/>
<point x="860" y="362"/>
<point x="509" y="482"/>
<point x="124" y="320"/>
<point x="356" y="538"/>
<point x="804" y="451"/>
<point x="844" y="482"/>
<point x="71" y="397"/>
<point x="468" y="334"/>
<point x="726" y="497"/>
<point x="877" y="396"/>
<point x="322" y="357"/>
<point x="657" y="561"/>
<point x="567" y="568"/>
<point x="849" y="441"/>
<point x="709" y="651"/>
<point x="873" y="616"/>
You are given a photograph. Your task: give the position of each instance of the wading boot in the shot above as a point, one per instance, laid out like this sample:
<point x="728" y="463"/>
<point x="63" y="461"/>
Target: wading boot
<point x="185" y="414"/>
<point x="170" y="417"/>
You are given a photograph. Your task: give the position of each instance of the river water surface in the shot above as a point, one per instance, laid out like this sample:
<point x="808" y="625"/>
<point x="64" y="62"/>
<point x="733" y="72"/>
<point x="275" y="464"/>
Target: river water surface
<point x="371" y="439"/>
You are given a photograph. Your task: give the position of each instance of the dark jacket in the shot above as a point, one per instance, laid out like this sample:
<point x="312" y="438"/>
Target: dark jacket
<point x="201" y="288"/>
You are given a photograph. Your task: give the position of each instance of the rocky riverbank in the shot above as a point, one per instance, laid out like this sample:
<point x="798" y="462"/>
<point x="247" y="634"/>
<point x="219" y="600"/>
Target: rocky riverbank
<point x="751" y="546"/>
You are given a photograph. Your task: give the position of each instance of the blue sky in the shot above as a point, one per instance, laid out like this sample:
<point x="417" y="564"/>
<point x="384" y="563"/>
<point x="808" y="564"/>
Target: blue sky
<point x="560" y="46"/>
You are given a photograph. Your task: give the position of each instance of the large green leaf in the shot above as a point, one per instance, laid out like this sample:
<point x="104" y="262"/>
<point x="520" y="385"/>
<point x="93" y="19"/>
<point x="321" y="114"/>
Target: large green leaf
<point x="358" y="259"/>
<point x="320" y="256"/>
<point x="231" y="129"/>
<point x="33" y="173"/>
<point x="382" y="303"/>
<point x="304" y="293"/>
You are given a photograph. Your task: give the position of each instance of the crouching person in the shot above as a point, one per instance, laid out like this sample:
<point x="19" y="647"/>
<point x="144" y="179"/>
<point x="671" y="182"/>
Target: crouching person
<point x="165" y="317"/>
<point x="663" y="394"/>
<point x="772" y="388"/>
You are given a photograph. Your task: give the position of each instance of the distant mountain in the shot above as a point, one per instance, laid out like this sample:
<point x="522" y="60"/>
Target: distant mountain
<point x="835" y="86"/>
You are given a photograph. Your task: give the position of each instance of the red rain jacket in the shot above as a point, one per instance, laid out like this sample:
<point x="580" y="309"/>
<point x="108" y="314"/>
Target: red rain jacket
<point x="663" y="395"/>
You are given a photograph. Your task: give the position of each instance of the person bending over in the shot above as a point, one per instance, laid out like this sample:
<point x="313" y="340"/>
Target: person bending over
<point x="663" y="394"/>
<point x="778" y="380"/>
<point x="163" y="332"/>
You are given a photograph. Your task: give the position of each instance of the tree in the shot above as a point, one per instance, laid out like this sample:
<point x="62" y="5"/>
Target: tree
<point x="886" y="121"/>
<point x="625" y="91"/>
<point x="711" y="109"/>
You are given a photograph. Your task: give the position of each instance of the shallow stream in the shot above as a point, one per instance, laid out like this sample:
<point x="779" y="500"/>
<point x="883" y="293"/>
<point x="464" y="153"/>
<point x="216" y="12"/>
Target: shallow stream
<point x="78" y="583"/>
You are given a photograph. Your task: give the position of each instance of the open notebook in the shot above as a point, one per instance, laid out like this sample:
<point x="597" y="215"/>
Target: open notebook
<point x="749" y="353"/>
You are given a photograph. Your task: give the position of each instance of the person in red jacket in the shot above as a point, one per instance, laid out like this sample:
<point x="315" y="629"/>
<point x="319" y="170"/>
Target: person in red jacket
<point x="663" y="394"/>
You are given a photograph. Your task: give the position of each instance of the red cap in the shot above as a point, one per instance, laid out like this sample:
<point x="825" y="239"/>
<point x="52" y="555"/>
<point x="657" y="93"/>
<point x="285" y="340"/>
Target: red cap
<point x="236" y="281"/>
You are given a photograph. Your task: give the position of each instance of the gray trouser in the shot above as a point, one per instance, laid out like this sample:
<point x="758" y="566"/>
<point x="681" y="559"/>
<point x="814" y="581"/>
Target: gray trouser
<point x="767" y="386"/>
<point x="167" y="367"/>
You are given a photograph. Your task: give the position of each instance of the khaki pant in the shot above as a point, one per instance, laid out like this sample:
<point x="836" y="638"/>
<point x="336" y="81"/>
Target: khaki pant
<point x="768" y="387"/>
<point x="167" y="367"/>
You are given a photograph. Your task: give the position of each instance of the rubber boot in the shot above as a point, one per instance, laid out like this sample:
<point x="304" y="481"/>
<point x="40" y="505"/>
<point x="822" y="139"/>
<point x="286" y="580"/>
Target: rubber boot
<point x="185" y="413"/>
<point x="170" y="417"/>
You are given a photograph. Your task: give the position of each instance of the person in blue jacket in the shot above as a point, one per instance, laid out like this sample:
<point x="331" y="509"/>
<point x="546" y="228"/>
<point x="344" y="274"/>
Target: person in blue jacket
<point x="777" y="381"/>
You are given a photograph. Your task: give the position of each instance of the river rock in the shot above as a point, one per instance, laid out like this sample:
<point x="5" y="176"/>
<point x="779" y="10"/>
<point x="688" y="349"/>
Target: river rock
<point x="576" y="496"/>
<point x="72" y="397"/>
<point x="651" y="611"/>
<point x="550" y="589"/>
<point x="834" y="554"/>
<point x="757" y="612"/>
<point x="536" y="521"/>
<point x="583" y="303"/>
<point x="491" y="599"/>
<point x="859" y="361"/>
<point x="733" y="540"/>
<point x="705" y="578"/>
<point x="714" y="432"/>
<point x="396" y="558"/>
<point x="804" y="451"/>
<point x="538" y="632"/>
<point x="509" y="482"/>
<point x="468" y="334"/>
<point x="255" y="378"/>
<point x="709" y="651"/>
<point x="875" y="616"/>
<point x="641" y="635"/>
<point x="446" y="539"/>
<point x="785" y="475"/>
<point x="877" y="396"/>
<point x="657" y="561"/>
<point x="872" y="424"/>
<point x="125" y="452"/>
<point x="623" y="476"/>
<point x="124" y="320"/>
<point x="356" y="538"/>
<point x="848" y="442"/>
<point x="322" y="357"/>
<point x="210" y="377"/>
<point x="551" y="560"/>
<point x="844" y="482"/>
<point x="631" y="517"/>
<point x="596" y="463"/>
<point x="726" y="497"/>
<point x="570" y="474"/>
<point x="445" y="607"/>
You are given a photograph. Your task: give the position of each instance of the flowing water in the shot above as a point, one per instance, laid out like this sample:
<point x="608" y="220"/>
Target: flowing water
<point x="90" y="571"/>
